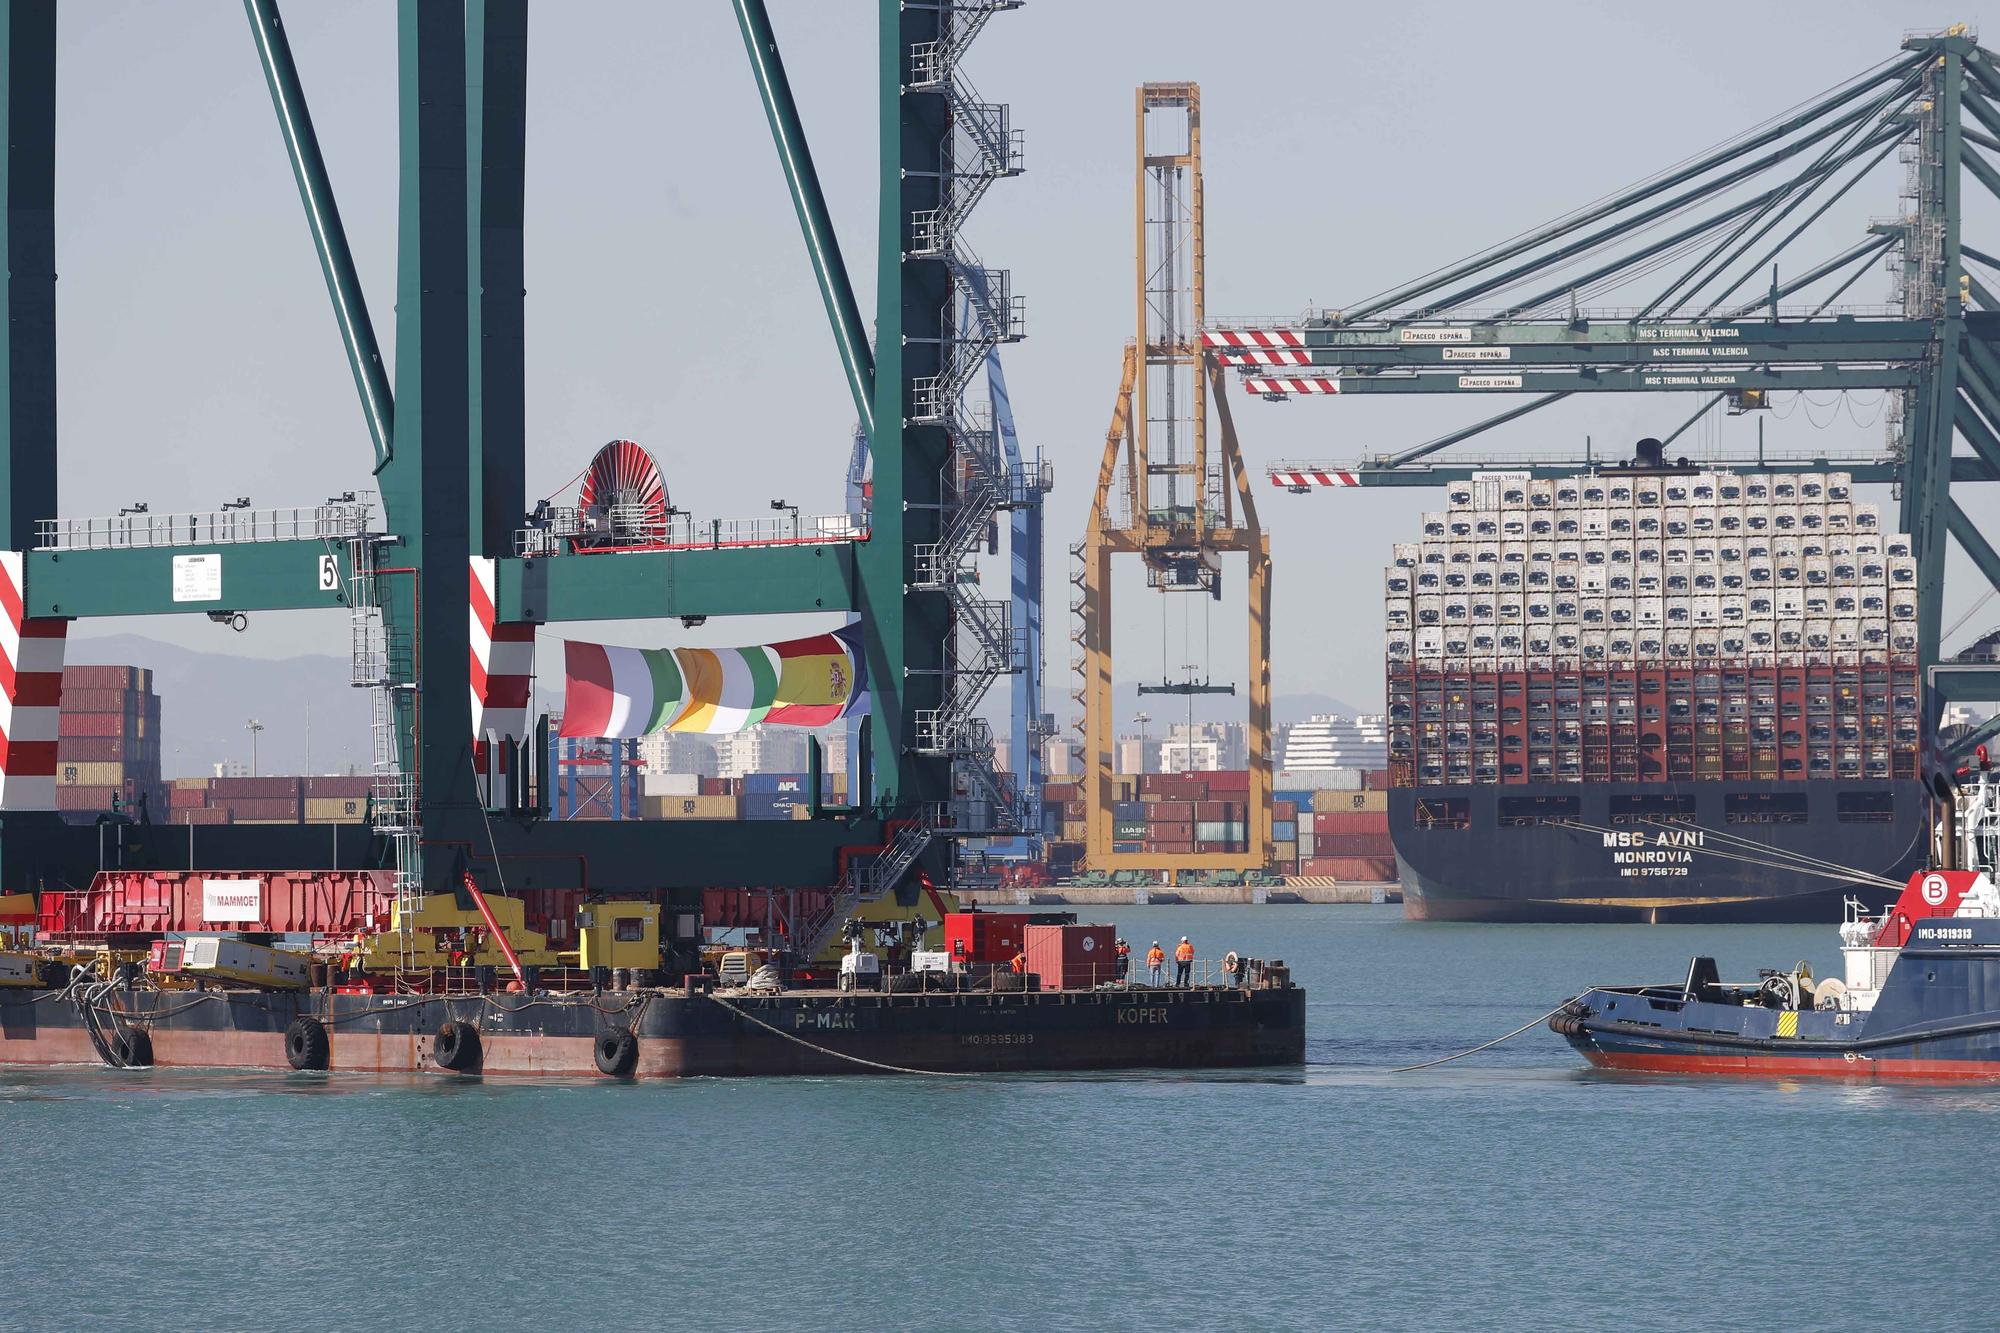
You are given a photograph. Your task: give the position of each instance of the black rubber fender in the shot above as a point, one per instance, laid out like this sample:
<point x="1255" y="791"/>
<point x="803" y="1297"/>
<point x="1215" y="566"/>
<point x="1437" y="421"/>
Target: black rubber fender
<point x="306" y="1044"/>
<point x="457" y="1046"/>
<point x="616" y="1053"/>
<point x="132" y="1048"/>
<point x="1006" y="981"/>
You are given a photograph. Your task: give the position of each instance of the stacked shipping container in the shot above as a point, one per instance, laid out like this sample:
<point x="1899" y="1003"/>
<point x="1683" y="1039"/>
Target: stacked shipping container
<point x="1207" y="812"/>
<point x="1652" y="627"/>
<point x="108" y="742"/>
<point x="268" y="800"/>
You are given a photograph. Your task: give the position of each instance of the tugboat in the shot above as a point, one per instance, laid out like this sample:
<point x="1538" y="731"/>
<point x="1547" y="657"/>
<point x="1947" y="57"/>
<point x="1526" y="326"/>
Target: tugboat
<point x="1919" y="998"/>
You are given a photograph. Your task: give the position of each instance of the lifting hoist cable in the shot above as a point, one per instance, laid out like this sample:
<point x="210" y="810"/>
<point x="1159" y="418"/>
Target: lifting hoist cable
<point x="1792" y="119"/>
<point x="1728" y="215"/>
<point x="1768" y="257"/>
<point x="1821" y="169"/>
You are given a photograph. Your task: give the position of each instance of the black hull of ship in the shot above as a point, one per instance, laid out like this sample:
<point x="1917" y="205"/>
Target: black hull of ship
<point x="1590" y="868"/>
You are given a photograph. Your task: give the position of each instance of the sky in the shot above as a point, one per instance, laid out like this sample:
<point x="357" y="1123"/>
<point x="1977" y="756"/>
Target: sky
<point x="670" y="301"/>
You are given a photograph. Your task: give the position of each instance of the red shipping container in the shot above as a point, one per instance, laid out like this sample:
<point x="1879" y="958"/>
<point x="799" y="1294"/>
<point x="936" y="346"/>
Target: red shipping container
<point x="1365" y="869"/>
<point x="336" y="788"/>
<point x="1175" y="786"/>
<point x="256" y="807"/>
<point x="1228" y="781"/>
<point x="1354" y="844"/>
<point x="1170" y="846"/>
<point x="87" y="798"/>
<point x="1327" y="823"/>
<point x="188" y="798"/>
<point x="1058" y="792"/>
<point x="1170" y="812"/>
<point x="107" y="677"/>
<point x="1231" y="846"/>
<point x="1072" y="957"/>
<point x="90" y="749"/>
<point x="984" y="937"/>
<point x="1283" y="810"/>
<point x="256" y="788"/>
<point x="196" y="815"/>
<point x="72" y="723"/>
<point x="1209" y="811"/>
<point x="85" y="700"/>
<point x="1169" y="830"/>
<point x="1375" y="779"/>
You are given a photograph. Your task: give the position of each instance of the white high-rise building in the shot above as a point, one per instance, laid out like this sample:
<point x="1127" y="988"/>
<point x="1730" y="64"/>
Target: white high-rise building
<point x="761" y="749"/>
<point x="1206" y="747"/>
<point x="678" y="752"/>
<point x="1329" y="740"/>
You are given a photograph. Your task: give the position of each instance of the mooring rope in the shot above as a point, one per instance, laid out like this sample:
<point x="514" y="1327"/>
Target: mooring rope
<point x="827" y="1050"/>
<point x="1411" y="1069"/>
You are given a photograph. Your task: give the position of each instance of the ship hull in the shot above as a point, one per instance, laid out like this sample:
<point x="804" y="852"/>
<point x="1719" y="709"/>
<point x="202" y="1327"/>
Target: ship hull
<point x="1714" y="865"/>
<point x="680" y="1035"/>
<point x="1937" y="1017"/>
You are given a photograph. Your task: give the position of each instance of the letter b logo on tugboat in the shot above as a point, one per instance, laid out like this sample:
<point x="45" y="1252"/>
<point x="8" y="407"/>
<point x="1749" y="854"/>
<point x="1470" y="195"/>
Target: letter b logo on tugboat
<point x="1935" y="890"/>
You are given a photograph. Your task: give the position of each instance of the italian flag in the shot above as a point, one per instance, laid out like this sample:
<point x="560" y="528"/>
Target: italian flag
<point x="618" y="693"/>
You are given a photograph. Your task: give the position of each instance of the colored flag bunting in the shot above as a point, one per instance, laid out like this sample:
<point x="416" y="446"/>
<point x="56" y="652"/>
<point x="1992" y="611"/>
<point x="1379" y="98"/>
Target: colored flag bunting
<point x="619" y="693"/>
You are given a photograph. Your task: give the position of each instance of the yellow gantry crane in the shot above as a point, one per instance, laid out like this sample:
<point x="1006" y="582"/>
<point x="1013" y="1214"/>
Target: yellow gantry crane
<point x="1160" y="494"/>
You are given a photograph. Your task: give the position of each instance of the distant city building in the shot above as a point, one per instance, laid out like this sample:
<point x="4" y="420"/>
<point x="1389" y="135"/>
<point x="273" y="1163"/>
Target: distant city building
<point x="1329" y="740"/>
<point x="1135" y="754"/>
<point x="231" y="768"/>
<point x="1958" y="715"/>
<point x="678" y="752"/>
<point x="761" y="749"/>
<point x="1058" y="759"/>
<point x="1205" y="747"/>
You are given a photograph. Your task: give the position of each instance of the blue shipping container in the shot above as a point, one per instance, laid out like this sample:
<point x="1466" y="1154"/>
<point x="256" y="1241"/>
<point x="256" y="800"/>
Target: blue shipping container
<point x="793" y="784"/>
<point x="1304" y="798"/>
<point x="767" y="805"/>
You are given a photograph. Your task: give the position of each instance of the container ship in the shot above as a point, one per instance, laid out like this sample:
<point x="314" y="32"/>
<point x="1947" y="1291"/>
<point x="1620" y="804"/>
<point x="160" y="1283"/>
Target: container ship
<point x="1655" y="693"/>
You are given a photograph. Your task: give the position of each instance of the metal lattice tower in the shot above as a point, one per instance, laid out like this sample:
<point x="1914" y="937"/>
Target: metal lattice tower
<point x="1162" y="494"/>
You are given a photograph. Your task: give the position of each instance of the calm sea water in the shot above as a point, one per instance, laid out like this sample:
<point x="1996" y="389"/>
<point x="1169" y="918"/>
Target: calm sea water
<point x="1509" y="1190"/>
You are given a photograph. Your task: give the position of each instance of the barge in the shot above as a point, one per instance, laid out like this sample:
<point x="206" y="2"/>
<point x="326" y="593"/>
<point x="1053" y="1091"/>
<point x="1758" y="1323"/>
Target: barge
<point x="659" y="1033"/>
<point x="337" y="974"/>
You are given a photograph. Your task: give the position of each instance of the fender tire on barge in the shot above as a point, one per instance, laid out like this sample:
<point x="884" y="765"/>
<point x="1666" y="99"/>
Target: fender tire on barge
<point x="132" y="1049"/>
<point x="617" y="1054"/>
<point x="456" y="1047"/>
<point x="306" y="1045"/>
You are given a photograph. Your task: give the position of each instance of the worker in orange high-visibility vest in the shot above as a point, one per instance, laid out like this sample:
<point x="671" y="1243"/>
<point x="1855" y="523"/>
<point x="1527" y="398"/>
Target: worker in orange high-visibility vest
<point x="1124" y="959"/>
<point x="1156" y="958"/>
<point x="1018" y="964"/>
<point x="1183" y="961"/>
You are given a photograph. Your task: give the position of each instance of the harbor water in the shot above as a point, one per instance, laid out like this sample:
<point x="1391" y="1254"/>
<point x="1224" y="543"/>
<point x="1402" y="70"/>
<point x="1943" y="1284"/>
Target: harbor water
<point x="1509" y="1189"/>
